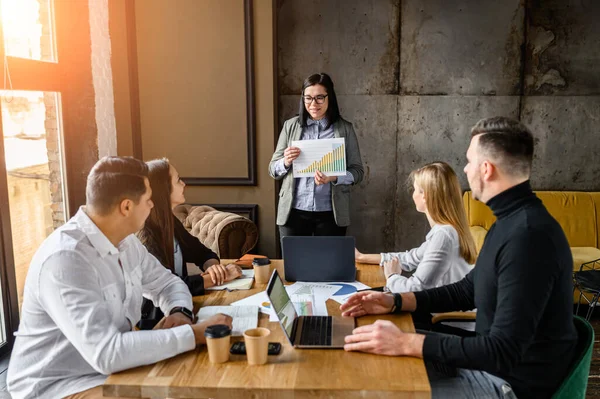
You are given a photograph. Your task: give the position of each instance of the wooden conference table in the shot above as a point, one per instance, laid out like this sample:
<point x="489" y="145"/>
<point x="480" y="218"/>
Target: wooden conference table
<point x="294" y="373"/>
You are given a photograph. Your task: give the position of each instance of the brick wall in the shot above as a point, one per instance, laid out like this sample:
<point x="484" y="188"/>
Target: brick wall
<point x="30" y="215"/>
<point x="54" y="165"/>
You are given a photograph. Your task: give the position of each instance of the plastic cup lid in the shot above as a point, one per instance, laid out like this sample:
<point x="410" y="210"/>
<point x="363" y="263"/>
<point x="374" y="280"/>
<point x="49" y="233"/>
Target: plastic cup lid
<point x="260" y="262"/>
<point x="217" y="331"/>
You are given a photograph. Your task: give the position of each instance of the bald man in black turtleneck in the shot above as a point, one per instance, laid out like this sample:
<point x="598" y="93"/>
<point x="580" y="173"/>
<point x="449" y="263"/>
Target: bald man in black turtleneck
<point x="521" y="286"/>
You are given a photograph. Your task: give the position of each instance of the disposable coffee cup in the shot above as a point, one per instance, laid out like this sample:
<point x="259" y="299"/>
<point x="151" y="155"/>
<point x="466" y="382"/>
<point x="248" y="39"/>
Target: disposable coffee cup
<point x="257" y="345"/>
<point x="218" y="337"/>
<point x="261" y="272"/>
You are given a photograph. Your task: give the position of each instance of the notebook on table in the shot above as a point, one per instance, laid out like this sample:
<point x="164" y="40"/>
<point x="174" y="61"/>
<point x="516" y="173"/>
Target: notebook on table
<point x="244" y="282"/>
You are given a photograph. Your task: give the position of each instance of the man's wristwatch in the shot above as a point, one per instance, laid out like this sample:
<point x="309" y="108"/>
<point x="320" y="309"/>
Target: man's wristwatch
<point x="397" y="307"/>
<point x="185" y="311"/>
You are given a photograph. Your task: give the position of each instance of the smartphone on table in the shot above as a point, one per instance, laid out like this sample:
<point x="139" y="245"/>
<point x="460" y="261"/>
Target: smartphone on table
<point x="239" y="348"/>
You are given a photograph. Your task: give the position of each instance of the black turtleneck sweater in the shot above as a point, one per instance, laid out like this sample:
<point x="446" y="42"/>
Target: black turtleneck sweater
<point x="522" y="288"/>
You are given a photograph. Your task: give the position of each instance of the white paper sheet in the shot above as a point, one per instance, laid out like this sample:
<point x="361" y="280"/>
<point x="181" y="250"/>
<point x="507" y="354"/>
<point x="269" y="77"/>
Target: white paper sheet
<point x="344" y="298"/>
<point x="325" y="155"/>
<point x="324" y="288"/>
<point x="244" y="282"/>
<point x="298" y="292"/>
<point x="244" y="317"/>
<point x="319" y="293"/>
<point x="262" y="301"/>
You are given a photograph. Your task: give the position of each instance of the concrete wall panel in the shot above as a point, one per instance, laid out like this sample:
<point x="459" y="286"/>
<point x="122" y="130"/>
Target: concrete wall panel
<point x="288" y="108"/>
<point x="457" y="62"/>
<point x="436" y="128"/>
<point x="567" y="146"/>
<point x="461" y="47"/>
<point x="355" y="42"/>
<point x="563" y="55"/>
<point x="375" y="122"/>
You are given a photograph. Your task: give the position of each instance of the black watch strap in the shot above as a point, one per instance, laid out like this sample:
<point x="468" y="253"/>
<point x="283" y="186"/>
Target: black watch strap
<point x="185" y="311"/>
<point x="397" y="308"/>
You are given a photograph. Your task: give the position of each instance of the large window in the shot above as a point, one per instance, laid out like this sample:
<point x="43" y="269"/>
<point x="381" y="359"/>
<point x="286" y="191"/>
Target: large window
<point x="33" y="195"/>
<point x="28" y="27"/>
<point x="33" y="159"/>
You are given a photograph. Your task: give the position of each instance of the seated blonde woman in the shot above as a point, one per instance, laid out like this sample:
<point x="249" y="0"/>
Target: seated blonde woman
<point x="448" y="252"/>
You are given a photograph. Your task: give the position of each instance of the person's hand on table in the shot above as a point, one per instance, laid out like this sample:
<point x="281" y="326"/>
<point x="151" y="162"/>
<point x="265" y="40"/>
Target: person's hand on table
<point x="357" y="255"/>
<point x="220" y="274"/>
<point x="199" y="328"/>
<point x="174" y="320"/>
<point x="233" y="272"/>
<point x="392" y="267"/>
<point x="367" y="302"/>
<point x="321" y="178"/>
<point x="217" y="273"/>
<point x="384" y="338"/>
<point x="289" y="154"/>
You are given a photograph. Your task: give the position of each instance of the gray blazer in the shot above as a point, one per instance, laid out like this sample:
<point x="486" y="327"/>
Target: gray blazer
<point x="340" y="194"/>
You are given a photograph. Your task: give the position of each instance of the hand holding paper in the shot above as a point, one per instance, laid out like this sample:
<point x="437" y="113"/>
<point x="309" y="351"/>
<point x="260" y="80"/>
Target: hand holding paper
<point x="289" y="155"/>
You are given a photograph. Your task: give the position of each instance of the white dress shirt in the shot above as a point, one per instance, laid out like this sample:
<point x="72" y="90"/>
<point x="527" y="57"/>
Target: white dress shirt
<point x="437" y="262"/>
<point x="82" y="297"/>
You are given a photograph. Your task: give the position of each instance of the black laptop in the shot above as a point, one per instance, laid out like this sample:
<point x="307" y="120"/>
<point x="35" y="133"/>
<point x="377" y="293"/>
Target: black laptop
<point x="306" y="331"/>
<point x="318" y="258"/>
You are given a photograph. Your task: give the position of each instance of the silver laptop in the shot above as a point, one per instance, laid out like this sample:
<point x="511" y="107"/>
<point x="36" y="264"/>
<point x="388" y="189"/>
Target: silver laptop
<point x="306" y="331"/>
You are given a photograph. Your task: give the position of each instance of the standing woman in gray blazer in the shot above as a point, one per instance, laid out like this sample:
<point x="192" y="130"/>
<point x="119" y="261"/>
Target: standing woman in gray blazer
<point x="318" y="205"/>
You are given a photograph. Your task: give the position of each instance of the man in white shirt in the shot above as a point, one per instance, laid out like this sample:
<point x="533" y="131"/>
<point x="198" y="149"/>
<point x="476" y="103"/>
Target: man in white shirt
<point x="83" y="295"/>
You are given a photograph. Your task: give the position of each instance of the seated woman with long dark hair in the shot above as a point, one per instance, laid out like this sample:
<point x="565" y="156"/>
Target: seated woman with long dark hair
<point x="166" y="238"/>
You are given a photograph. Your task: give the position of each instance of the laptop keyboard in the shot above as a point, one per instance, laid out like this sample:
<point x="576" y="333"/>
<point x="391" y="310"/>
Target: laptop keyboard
<point x="316" y="330"/>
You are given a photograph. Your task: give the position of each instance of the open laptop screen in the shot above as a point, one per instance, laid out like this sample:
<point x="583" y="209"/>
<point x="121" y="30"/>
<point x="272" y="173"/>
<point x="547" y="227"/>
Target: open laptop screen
<point x="282" y="304"/>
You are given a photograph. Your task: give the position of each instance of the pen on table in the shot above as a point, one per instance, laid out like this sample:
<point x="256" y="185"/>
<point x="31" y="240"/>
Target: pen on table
<point x="380" y="289"/>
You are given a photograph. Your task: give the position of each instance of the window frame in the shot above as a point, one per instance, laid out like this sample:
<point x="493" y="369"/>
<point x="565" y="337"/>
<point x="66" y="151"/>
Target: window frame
<point x="71" y="76"/>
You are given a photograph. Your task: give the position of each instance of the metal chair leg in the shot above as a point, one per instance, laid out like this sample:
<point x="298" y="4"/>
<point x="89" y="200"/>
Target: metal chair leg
<point x="592" y="306"/>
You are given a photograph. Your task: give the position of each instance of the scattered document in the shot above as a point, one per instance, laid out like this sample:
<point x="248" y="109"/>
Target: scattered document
<point x="304" y="304"/>
<point x="244" y="282"/>
<point x="325" y="155"/>
<point x="303" y="299"/>
<point x="316" y="294"/>
<point x="464" y="325"/>
<point x="262" y="301"/>
<point x="309" y="299"/>
<point x="346" y="290"/>
<point x="244" y="317"/>
<point x="338" y="291"/>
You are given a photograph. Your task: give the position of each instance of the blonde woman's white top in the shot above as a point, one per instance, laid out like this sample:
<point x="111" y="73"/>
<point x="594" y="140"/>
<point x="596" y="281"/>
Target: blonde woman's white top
<point x="437" y="262"/>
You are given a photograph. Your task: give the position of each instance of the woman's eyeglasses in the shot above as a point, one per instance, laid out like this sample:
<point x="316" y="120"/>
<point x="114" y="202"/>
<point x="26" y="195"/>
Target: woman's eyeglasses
<point x="320" y="99"/>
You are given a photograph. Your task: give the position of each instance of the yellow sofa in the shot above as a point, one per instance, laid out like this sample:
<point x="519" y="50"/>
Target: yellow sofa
<point x="577" y="212"/>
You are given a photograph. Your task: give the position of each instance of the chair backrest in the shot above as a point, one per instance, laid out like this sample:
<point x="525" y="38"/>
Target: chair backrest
<point x="227" y="234"/>
<point x="478" y="213"/>
<point x="578" y="213"/>
<point x="596" y="198"/>
<point x="575" y="383"/>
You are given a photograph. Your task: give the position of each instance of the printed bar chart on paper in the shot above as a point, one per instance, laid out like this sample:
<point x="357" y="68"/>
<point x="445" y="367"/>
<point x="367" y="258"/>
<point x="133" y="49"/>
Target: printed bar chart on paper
<point x="326" y="155"/>
<point x="303" y="300"/>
